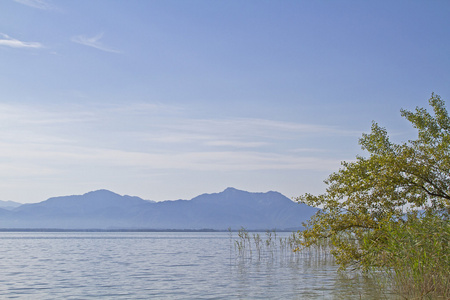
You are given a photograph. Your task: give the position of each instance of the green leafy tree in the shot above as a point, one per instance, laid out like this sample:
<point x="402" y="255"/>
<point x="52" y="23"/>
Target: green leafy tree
<point x="370" y="193"/>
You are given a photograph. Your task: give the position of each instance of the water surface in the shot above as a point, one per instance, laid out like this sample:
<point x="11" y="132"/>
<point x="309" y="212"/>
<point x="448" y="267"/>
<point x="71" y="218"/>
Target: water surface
<point x="150" y="265"/>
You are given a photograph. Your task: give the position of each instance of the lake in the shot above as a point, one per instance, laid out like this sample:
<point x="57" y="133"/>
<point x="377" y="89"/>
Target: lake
<point x="167" y="265"/>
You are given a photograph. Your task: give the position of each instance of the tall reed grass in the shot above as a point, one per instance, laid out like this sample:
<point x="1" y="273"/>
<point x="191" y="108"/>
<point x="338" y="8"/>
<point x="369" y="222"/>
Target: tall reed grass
<point x="271" y="246"/>
<point x="414" y="255"/>
<point x="408" y="259"/>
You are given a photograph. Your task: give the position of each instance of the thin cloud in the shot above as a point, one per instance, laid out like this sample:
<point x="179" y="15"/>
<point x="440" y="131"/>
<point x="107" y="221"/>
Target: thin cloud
<point x="93" y="42"/>
<point x="311" y="150"/>
<point x="236" y="144"/>
<point x="34" y="116"/>
<point x="40" y="4"/>
<point x="52" y="137"/>
<point x="6" y="40"/>
<point x="259" y="127"/>
<point x="60" y="156"/>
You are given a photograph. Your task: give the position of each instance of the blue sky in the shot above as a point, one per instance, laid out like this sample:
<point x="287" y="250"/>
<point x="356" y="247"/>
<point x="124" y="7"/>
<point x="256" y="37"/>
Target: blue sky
<point x="172" y="99"/>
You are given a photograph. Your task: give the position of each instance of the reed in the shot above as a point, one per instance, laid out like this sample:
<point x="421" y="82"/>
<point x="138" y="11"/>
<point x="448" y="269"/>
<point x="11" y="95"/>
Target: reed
<point x="414" y="255"/>
<point x="271" y="246"/>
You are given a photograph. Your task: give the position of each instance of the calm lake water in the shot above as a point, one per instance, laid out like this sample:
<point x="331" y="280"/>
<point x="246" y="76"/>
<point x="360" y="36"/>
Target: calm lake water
<point x="149" y="265"/>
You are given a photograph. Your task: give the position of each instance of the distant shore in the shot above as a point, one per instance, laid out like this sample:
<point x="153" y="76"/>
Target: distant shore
<point x="132" y="230"/>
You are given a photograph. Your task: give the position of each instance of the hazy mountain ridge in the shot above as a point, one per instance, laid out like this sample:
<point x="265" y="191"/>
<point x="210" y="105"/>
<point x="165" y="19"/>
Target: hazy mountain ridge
<point x="9" y="204"/>
<point x="104" y="209"/>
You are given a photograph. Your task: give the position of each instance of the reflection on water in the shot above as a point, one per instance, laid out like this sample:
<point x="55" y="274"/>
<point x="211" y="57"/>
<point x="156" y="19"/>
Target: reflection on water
<point x="163" y="265"/>
<point x="306" y="276"/>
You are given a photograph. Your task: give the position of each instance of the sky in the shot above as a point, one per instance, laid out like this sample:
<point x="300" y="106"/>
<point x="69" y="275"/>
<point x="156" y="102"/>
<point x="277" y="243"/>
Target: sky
<point x="168" y="100"/>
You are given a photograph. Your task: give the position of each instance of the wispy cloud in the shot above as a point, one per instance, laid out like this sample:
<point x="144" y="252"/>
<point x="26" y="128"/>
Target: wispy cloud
<point x="6" y="40"/>
<point x="55" y="158"/>
<point x="236" y="144"/>
<point x="93" y="42"/>
<point x="40" y="4"/>
<point x="57" y="138"/>
<point x="240" y="133"/>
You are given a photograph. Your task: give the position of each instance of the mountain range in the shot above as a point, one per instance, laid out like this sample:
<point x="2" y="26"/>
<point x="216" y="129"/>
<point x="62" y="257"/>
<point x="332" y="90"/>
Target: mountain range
<point x="9" y="204"/>
<point x="105" y="210"/>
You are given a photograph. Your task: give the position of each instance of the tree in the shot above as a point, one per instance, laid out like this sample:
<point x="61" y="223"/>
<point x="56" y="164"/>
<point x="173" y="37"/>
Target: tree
<point x="366" y="195"/>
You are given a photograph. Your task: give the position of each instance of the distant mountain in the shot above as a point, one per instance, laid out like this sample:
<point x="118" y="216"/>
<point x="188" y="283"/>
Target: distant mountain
<point x="9" y="204"/>
<point x="106" y="210"/>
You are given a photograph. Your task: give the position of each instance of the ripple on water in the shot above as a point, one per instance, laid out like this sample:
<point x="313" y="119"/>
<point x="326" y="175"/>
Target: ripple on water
<point x="157" y="266"/>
